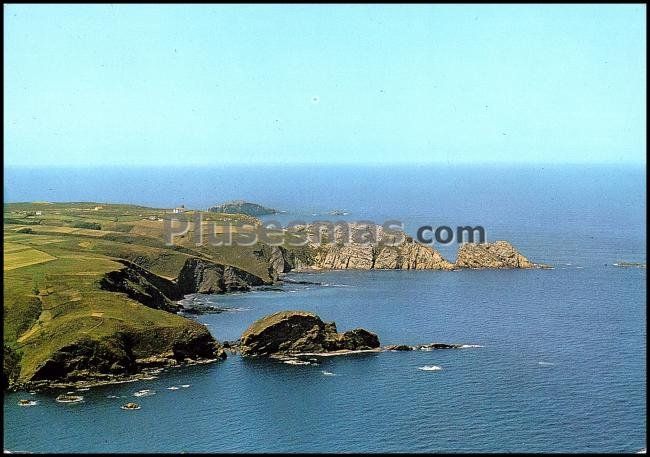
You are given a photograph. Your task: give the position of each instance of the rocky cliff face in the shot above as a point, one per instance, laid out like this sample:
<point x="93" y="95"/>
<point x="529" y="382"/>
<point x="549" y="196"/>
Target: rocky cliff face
<point x="290" y="332"/>
<point x="408" y="256"/>
<point x="499" y="254"/>
<point x="204" y="277"/>
<point x="143" y="286"/>
<point x="367" y="247"/>
<point x="125" y="353"/>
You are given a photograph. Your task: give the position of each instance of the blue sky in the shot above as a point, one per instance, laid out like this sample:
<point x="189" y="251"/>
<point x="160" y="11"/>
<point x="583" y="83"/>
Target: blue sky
<point x="98" y="85"/>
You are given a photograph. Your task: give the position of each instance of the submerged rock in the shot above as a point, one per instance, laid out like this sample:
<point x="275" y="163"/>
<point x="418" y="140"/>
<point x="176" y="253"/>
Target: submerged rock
<point x="289" y="332"/>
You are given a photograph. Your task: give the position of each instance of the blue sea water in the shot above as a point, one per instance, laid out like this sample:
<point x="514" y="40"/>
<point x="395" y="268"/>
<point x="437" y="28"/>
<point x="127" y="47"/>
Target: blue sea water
<point x="562" y="362"/>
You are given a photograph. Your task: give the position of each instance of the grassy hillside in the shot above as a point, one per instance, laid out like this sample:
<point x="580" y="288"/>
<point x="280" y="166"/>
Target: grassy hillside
<point x="55" y="257"/>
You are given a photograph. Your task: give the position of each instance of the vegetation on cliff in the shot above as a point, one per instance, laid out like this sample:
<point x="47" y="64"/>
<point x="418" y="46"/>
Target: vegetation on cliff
<point x="91" y="290"/>
<point x="82" y="302"/>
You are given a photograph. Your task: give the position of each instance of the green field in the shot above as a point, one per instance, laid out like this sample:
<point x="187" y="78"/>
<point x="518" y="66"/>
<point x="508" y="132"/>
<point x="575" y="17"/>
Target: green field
<point x="52" y="294"/>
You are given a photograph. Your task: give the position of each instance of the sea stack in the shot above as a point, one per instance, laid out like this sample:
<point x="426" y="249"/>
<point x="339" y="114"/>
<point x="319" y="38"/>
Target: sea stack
<point x="294" y="332"/>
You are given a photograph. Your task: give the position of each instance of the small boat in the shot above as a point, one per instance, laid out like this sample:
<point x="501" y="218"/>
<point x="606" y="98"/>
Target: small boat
<point x="130" y="406"/>
<point x="185" y="386"/>
<point x="27" y="403"/>
<point x="144" y="393"/>
<point x="68" y="398"/>
<point x="172" y="388"/>
<point x="83" y="389"/>
<point x="296" y="362"/>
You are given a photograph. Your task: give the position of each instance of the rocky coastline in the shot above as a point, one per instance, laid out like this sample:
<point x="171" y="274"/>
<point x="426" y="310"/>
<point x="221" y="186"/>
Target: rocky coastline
<point x="129" y="354"/>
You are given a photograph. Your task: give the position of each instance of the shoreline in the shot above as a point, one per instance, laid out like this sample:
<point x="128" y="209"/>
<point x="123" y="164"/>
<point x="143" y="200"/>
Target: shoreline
<point x="145" y="374"/>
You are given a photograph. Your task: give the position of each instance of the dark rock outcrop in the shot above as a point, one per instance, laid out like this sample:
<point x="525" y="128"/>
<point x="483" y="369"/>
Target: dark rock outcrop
<point x="499" y="254"/>
<point x="282" y="260"/>
<point x="288" y="332"/>
<point x="422" y="347"/>
<point x="10" y="366"/>
<point x="399" y="347"/>
<point x="143" y="286"/>
<point x="127" y="353"/>
<point x="205" y="277"/>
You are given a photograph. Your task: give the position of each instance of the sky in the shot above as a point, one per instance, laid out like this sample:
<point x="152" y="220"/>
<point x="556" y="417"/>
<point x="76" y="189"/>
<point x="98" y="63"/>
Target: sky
<point x="179" y="85"/>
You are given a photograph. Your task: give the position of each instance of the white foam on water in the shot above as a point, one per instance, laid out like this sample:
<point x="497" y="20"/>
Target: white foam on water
<point x="185" y="386"/>
<point x="328" y="373"/>
<point x="172" y="388"/>
<point x="430" y="368"/>
<point x="468" y="346"/>
<point x="296" y="362"/>
<point x="546" y="364"/>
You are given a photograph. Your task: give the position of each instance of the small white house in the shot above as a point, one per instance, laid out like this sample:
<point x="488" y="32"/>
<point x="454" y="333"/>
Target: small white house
<point x="180" y="209"/>
<point x="39" y="213"/>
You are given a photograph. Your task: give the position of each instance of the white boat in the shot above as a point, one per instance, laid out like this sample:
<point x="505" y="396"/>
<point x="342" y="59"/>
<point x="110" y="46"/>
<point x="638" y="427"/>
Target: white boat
<point x="27" y="403"/>
<point x="68" y="398"/>
<point x="144" y="393"/>
<point x="296" y="362"/>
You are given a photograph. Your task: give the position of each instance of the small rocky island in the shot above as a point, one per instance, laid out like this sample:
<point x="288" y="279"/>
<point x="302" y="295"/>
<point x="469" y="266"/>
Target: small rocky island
<point x="296" y="332"/>
<point x="243" y="207"/>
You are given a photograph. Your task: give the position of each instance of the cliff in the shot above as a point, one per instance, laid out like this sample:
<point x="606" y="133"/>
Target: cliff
<point x="205" y="277"/>
<point x="367" y="247"/>
<point x="408" y="256"/>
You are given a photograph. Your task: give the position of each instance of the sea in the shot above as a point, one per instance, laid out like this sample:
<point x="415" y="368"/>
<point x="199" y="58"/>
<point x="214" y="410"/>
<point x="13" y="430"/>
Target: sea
<point x="554" y="359"/>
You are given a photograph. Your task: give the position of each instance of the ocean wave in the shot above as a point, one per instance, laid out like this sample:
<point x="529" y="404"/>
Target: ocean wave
<point x="328" y="373"/>
<point x="430" y="368"/>
<point x="468" y="346"/>
<point x="546" y="364"/>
